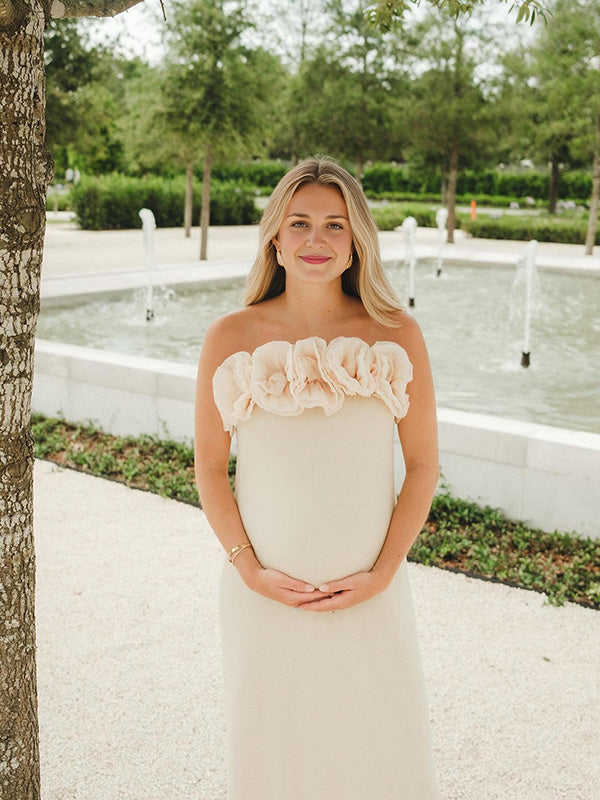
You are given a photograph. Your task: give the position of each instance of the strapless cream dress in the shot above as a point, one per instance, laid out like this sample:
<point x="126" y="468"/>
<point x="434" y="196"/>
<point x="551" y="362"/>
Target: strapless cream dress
<point x="328" y="705"/>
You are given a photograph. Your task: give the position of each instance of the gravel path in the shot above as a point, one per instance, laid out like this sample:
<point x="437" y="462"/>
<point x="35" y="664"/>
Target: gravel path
<point x="129" y="664"/>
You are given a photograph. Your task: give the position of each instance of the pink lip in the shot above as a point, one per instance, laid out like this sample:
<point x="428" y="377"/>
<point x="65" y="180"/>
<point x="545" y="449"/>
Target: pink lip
<point x="315" y="259"/>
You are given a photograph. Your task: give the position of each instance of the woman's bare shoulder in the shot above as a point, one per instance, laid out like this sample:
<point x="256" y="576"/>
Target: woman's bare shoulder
<point x="231" y="333"/>
<point x="405" y="331"/>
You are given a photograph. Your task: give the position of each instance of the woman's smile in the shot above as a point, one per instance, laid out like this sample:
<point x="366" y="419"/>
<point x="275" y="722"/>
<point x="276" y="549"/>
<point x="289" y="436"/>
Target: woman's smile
<point x="315" y="259"/>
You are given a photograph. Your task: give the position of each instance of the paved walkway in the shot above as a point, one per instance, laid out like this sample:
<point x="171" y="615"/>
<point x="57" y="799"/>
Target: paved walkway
<point x="69" y="250"/>
<point x="129" y="666"/>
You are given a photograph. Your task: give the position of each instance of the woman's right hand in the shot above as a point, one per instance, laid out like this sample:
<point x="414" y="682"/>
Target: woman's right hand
<point x="274" y="584"/>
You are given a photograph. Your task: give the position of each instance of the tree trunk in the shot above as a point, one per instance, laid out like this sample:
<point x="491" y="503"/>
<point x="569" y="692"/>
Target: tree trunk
<point x="360" y="169"/>
<point x="452" y="176"/>
<point x="592" y="227"/>
<point x="205" y="213"/>
<point x="189" y="197"/>
<point x="25" y="172"/>
<point x="24" y="177"/>
<point x="554" y="181"/>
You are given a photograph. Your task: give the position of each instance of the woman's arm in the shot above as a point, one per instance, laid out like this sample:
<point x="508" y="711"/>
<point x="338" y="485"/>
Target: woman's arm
<point x="418" y="436"/>
<point x="212" y="446"/>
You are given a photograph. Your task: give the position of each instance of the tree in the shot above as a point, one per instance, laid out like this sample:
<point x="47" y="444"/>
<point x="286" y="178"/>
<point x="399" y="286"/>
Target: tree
<point x="387" y="12"/>
<point x="84" y="99"/>
<point x="343" y="99"/>
<point x="25" y="171"/>
<point x="446" y="110"/>
<point x="295" y="37"/>
<point x="556" y="88"/>
<point x="539" y="129"/>
<point x="70" y="61"/>
<point x="571" y="47"/>
<point x="216" y="90"/>
<point x="538" y="92"/>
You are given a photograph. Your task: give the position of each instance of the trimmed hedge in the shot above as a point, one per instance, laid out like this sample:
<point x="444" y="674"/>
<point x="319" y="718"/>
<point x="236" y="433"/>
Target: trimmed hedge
<point x="544" y="229"/>
<point x="264" y="174"/>
<point x="113" y="201"/>
<point x="461" y="199"/>
<point x="389" y="217"/>
<point x="381" y="179"/>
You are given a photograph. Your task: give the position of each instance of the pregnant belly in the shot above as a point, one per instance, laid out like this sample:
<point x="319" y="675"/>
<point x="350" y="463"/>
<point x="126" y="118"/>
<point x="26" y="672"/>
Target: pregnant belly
<point x="316" y="493"/>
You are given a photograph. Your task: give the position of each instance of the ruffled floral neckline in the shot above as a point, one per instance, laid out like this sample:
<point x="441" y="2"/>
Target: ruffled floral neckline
<point x="285" y="378"/>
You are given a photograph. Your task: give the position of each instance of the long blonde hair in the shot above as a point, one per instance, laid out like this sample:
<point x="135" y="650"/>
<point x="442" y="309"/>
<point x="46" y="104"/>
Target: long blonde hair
<point x="365" y="277"/>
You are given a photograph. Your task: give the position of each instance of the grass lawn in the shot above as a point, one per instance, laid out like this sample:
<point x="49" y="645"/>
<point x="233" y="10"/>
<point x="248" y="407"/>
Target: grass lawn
<point x="458" y="535"/>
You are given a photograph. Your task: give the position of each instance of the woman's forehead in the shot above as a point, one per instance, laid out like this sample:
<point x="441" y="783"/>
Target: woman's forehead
<point x="316" y="198"/>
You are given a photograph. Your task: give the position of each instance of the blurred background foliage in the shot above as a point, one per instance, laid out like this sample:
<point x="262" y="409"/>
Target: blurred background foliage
<point x="438" y="108"/>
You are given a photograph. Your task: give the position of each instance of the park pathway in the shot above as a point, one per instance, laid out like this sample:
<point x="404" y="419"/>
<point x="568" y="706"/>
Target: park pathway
<point x="129" y="667"/>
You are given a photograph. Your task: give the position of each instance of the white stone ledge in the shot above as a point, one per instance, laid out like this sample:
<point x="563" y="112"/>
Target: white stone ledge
<point x="548" y="477"/>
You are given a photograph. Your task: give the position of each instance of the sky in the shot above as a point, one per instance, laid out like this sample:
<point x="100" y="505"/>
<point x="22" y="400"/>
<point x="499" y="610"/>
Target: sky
<point x="137" y="29"/>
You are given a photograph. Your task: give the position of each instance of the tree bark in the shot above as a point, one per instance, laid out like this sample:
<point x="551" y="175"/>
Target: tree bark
<point x="554" y="183"/>
<point x="452" y="176"/>
<point x="360" y="169"/>
<point x="24" y="176"/>
<point x="89" y="8"/>
<point x="25" y="172"/>
<point x="189" y="197"/>
<point x="205" y="212"/>
<point x="592" y="227"/>
<point x="12" y="15"/>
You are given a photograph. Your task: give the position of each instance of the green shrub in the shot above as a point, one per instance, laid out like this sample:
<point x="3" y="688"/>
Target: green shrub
<point x="264" y="174"/>
<point x="400" y="182"/>
<point x="461" y="199"/>
<point x="380" y="178"/>
<point x="399" y="197"/>
<point x="113" y="201"/>
<point x="232" y="203"/>
<point x="390" y="216"/>
<point x="544" y="229"/>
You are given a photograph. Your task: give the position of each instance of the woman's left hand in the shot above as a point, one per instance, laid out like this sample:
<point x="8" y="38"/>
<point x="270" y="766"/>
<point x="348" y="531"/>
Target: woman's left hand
<point x="347" y="592"/>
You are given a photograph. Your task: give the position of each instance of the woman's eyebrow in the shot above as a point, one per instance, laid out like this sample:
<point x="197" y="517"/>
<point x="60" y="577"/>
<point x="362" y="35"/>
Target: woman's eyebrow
<point x="329" y="216"/>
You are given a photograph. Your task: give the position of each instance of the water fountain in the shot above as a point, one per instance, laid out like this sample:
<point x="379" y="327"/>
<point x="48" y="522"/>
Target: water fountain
<point x="148" y="227"/>
<point x="531" y="282"/>
<point x="409" y="229"/>
<point x="441" y="217"/>
<point x="496" y="445"/>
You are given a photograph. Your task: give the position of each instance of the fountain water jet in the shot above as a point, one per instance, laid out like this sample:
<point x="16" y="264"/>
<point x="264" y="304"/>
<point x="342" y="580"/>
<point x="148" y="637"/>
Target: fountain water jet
<point x="409" y="228"/>
<point x="441" y="217"/>
<point x="149" y="226"/>
<point x="530" y="297"/>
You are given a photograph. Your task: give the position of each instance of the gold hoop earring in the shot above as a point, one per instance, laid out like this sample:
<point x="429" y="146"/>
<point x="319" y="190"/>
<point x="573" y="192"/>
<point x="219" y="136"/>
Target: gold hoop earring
<point x="350" y="260"/>
<point x="280" y="259"/>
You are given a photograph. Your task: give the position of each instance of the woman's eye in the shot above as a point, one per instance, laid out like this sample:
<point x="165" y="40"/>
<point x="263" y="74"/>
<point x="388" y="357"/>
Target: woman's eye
<point x="336" y="226"/>
<point x="298" y="224"/>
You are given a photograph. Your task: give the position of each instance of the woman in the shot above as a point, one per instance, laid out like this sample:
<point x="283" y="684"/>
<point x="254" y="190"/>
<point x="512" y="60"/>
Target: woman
<point x="323" y="684"/>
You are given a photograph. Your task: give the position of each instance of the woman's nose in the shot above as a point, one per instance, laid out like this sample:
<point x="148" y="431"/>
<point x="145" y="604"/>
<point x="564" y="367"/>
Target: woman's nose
<point x="315" y="237"/>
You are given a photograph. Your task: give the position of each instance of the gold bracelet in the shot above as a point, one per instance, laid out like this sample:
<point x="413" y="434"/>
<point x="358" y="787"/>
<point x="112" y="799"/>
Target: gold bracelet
<point x="235" y="551"/>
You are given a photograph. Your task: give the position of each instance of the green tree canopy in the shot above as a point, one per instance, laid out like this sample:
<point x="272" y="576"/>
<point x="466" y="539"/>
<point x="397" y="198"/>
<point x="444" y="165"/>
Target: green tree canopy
<point x="216" y="91"/>
<point x="344" y="99"/>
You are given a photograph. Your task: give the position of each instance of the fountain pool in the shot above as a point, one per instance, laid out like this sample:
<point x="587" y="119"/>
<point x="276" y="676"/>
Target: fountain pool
<point x="474" y="338"/>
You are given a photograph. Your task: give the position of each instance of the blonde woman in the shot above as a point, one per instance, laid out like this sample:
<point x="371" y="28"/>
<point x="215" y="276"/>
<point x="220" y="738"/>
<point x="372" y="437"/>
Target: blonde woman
<point x="323" y="685"/>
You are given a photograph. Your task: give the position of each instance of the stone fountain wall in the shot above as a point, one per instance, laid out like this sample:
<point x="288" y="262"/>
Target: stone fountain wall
<point x="549" y="477"/>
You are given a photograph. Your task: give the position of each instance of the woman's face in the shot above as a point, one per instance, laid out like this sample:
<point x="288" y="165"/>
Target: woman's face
<point x="315" y="237"/>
